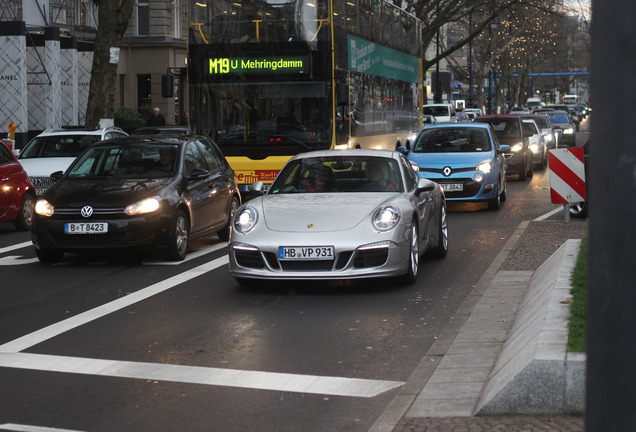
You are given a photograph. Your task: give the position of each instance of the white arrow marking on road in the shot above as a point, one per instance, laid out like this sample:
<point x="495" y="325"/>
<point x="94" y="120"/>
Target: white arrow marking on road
<point x="15" y="246"/>
<point x="16" y="260"/>
<point x="28" y="428"/>
<point x="323" y="385"/>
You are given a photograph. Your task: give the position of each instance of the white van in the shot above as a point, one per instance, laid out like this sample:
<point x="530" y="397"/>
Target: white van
<point x="534" y="103"/>
<point x="443" y="112"/>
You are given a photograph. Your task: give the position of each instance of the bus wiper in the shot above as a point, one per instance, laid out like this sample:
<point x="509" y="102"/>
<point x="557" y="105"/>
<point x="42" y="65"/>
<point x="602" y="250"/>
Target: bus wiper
<point x="297" y="141"/>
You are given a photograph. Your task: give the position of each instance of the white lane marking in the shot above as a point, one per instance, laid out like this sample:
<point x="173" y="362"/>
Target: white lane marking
<point x="191" y="255"/>
<point x="56" y="329"/>
<point x="28" y="428"/>
<point x="323" y="385"/>
<point x="548" y="214"/>
<point x="15" y="246"/>
<point x="10" y="356"/>
<point x="16" y="260"/>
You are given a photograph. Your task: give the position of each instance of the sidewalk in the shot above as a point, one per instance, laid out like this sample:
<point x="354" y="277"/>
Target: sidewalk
<point x="444" y="391"/>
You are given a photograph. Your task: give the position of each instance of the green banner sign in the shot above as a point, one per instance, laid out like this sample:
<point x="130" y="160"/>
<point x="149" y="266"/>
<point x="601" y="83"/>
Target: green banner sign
<point x="371" y="58"/>
<point x="258" y="65"/>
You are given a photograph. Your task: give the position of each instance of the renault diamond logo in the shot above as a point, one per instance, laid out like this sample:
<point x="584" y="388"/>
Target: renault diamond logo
<point x="87" y="211"/>
<point x="447" y="171"/>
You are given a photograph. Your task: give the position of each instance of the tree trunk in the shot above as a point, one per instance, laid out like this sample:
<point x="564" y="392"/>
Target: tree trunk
<point x="113" y="21"/>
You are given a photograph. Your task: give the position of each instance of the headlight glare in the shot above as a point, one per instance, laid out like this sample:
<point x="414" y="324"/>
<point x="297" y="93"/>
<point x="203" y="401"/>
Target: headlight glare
<point x="485" y="167"/>
<point x="568" y="131"/>
<point x="534" y="147"/>
<point x="386" y="218"/>
<point x="517" y="147"/>
<point x="144" y="206"/>
<point x="44" y="208"/>
<point x="245" y="220"/>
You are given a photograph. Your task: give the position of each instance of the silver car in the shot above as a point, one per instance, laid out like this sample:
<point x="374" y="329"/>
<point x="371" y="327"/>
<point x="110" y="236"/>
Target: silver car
<point x="340" y="214"/>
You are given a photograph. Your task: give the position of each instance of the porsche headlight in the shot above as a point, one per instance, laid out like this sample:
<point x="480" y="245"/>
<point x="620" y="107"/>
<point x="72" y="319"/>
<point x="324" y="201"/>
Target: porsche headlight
<point x="245" y="220"/>
<point x="568" y="131"/>
<point x="144" y="206"/>
<point x="517" y="147"/>
<point x="44" y="208"/>
<point x="485" y="167"/>
<point x="386" y="218"/>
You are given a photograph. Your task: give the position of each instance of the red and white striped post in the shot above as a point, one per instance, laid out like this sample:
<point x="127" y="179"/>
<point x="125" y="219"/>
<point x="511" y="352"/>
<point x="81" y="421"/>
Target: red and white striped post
<point x="567" y="177"/>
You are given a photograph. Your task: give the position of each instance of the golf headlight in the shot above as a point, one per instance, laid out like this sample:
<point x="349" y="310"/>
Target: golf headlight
<point x="386" y="218"/>
<point x="144" y="206"/>
<point x="245" y="220"/>
<point x="485" y="167"/>
<point x="44" y="208"/>
<point x="568" y="131"/>
<point x="517" y="147"/>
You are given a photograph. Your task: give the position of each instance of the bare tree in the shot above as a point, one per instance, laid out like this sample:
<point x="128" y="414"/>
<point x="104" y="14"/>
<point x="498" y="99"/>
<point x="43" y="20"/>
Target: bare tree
<point x="113" y="21"/>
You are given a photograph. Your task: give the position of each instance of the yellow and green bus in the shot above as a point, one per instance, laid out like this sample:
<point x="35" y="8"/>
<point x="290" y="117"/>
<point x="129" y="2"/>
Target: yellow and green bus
<point x="268" y="79"/>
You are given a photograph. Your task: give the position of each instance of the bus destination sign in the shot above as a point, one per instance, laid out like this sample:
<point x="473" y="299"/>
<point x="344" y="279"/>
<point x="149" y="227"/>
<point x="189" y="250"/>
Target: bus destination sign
<point x="258" y="65"/>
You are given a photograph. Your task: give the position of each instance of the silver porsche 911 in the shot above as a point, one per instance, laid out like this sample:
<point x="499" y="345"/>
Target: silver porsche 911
<point x="340" y="214"/>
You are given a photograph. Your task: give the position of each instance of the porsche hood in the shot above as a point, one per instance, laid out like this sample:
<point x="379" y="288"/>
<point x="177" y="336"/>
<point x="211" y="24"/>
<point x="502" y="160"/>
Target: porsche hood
<point x="319" y="212"/>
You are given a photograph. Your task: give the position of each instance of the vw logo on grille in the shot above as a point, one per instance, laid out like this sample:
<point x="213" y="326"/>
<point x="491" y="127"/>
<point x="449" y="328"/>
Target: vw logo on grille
<point x="87" y="211"/>
<point x="447" y="171"/>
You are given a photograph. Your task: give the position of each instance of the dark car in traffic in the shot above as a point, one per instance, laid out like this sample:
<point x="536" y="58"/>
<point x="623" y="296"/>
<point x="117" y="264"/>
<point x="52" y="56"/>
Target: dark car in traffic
<point x="510" y="131"/>
<point x="564" y="128"/>
<point x="138" y="192"/>
<point x="17" y="194"/>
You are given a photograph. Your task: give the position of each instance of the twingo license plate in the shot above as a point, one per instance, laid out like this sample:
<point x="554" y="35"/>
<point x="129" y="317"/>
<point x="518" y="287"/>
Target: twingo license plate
<point x="453" y="187"/>
<point x="290" y="253"/>
<point x="86" y="228"/>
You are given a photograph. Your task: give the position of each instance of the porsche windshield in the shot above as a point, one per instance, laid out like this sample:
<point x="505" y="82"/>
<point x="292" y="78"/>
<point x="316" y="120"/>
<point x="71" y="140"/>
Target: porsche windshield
<point x="339" y="174"/>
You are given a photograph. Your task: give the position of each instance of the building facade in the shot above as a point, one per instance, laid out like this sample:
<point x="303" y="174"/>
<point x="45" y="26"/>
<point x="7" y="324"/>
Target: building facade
<point x="47" y="48"/>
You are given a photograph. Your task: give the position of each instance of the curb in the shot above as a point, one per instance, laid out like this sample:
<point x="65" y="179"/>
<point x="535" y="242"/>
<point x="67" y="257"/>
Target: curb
<point x="534" y="373"/>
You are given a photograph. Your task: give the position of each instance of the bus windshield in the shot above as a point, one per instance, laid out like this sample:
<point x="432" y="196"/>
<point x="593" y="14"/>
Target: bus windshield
<point x="266" y="119"/>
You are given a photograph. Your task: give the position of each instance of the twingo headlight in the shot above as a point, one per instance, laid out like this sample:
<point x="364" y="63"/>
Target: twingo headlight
<point x="245" y="219"/>
<point x="386" y="218"/>
<point x="144" y="206"/>
<point x="44" y="208"/>
<point x="485" y="167"/>
<point x="517" y="147"/>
